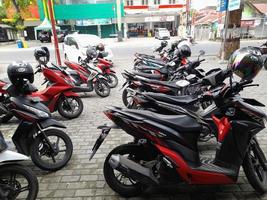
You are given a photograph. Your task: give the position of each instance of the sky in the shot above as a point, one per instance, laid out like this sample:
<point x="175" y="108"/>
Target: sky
<point x="198" y="4"/>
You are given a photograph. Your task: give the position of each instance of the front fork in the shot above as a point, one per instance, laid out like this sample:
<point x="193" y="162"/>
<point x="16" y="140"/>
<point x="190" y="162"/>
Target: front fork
<point x="41" y="133"/>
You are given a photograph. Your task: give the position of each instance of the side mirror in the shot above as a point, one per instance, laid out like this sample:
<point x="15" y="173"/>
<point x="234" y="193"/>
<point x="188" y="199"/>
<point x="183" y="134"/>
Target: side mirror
<point x="201" y="52"/>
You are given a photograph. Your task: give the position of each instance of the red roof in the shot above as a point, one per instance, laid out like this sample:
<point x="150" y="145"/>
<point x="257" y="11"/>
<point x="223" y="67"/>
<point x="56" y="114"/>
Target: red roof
<point x="262" y="7"/>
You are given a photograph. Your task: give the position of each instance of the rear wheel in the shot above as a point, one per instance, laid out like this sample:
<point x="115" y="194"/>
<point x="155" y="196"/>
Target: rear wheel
<point x="119" y="182"/>
<point x="255" y="167"/>
<point x="102" y="88"/>
<point x="112" y="80"/>
<point x="70" y="107"/>
<point x="127" y="98"/>
<point x="53" y="156"/>
<point x="17" y="182"/>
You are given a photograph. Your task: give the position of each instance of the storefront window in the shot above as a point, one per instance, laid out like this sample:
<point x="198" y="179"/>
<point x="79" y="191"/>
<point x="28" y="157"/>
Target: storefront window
<point x="156" y="2"/>
<point x="144" y="2"/>
<point x="129" y="2"/>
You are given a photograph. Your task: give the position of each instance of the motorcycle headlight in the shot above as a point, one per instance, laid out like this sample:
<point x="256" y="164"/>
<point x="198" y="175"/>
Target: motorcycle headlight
<point x="37" y="111"/>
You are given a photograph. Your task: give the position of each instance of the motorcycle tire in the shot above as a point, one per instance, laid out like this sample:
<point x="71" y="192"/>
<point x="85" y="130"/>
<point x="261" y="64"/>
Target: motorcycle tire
<point x="257" y="179"/>
<point x="125" y="97"/>
<point x="65" y="109"/>
<point x="100" y="85"/>
<point x="265" y="64"/>
<point x="112" y="80"/>
<point x="40" y="146"/>
<point x="6" y="118"/>
<point x="22" y="171"/>
<point x="112" y="179"/>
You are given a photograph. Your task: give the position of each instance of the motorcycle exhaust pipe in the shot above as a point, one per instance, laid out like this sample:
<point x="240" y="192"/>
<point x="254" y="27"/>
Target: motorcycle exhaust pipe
<point x="133" y="170"/>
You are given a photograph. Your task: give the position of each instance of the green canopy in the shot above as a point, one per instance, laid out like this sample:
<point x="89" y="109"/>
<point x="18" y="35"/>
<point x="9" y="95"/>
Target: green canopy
<point x="45" y="25"/>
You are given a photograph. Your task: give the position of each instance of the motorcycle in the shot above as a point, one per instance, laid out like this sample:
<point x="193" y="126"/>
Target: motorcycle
<point x="104" y="65"/>
<point x="58" y="96"/>
<point x="165" y="151"/>
<point x="16" y="181"/>
<point x="50" y="148"/>
<point x="91" y="76"/>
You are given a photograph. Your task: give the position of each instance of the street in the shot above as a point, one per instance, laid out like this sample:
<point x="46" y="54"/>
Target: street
<point x="82" y="179"/>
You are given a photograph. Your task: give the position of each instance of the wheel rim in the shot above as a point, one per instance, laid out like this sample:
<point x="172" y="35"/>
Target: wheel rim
<point x="121" y="178"/>
<point x="57" y="154"/>
<point x="111" y="80"/>
<point x="102" y="88"/>
<point x="258" y="168"/>
<point x="70" y="106"/>
<point x="14" y="186"/>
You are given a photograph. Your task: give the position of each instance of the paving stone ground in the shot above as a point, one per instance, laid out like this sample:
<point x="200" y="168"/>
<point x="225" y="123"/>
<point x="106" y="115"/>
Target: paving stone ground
<point x="82" y="179"/>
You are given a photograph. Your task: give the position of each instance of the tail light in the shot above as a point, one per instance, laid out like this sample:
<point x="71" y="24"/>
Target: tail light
<point x="109" y="114"/>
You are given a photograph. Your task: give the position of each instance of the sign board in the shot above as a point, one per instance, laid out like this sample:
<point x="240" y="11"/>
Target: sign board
<point x="247" y="23"/>
<point x="93" y="22"/>
<point x="221" y="5"/>
<point x="160" y="19"/>
<point x="233" y="5"/>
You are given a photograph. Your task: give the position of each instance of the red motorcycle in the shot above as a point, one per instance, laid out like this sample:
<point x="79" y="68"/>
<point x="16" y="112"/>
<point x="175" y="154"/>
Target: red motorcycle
<point x="85" y="74"/>
<point x="60" y="95"/>
<point x="105" y="65"/>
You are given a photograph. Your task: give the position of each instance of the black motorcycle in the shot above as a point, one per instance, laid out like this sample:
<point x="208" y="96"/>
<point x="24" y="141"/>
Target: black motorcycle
<point x="38" y="135"/>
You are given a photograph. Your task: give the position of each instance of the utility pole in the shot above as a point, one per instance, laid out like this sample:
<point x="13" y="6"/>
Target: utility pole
<point x="188" y="27"/>
<point x="231" y="36"/>
<point x="118" y="9"/>
<point x="53" y="23"/>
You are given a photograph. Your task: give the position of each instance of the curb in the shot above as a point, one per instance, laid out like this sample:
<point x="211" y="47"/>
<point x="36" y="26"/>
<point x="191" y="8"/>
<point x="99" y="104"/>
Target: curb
<point x="7" y="43"/>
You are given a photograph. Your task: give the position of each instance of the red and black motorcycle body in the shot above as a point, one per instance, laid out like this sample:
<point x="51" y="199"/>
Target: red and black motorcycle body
<point x="82" y="73"/>
<point x="175" y="137"/>
<point x="105" y="66"/>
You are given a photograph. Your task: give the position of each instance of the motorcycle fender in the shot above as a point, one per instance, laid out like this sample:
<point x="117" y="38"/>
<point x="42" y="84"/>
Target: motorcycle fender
<point x="69" y="93"/>
<point x="10" y="156"/>
<point x="51" y="123"/>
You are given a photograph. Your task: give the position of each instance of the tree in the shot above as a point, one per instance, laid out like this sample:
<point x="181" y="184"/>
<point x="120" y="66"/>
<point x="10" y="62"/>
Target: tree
<point x="19" y="6"/>
<point x="2" y="12"/>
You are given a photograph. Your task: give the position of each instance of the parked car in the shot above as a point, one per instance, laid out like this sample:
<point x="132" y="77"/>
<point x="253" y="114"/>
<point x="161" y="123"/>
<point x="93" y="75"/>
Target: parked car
<point x="75" y="46"/>
<point x="162" y="34"/>
<point x="45" y="36"/>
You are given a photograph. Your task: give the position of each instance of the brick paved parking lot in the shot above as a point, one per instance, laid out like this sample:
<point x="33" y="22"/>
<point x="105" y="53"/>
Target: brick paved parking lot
<point x="82" y="179"/>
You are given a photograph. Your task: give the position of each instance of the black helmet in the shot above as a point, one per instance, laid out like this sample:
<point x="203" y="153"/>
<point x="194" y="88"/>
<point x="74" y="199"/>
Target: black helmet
<point x="163" y="44"/>
<point x="42" y="55"/>
<point x="100" y="47"/>
<point x="20" y="71"/>
<point x="185" y="51"/>
<point x="91" y="52"/>
<point x="174" y="45"/>
<point x="246" y="62"/>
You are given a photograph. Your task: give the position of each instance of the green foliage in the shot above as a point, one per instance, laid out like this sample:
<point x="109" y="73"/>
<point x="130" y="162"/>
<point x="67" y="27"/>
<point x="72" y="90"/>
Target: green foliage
<point x="2" y="12"/>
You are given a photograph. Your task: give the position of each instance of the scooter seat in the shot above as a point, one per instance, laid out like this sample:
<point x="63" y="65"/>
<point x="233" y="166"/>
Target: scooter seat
<point x="176" y="100"/>
<point x="158" y="62"/>
<point x="150" y="76"/>
<point x="181" y="123"/>
<point x="157" y="82"/>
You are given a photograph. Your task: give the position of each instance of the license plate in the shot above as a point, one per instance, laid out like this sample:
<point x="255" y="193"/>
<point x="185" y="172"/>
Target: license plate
<point x="99" y="141"/>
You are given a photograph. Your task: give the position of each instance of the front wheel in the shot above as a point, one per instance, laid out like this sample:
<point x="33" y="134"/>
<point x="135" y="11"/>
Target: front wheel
<point x="70" y="107"/>
<point x="17" y="182"/>
<point x="255" y="167"/>
<point x="112" y="80"/>
<point x="102" y="88"/>
<point x="52" y="150"/>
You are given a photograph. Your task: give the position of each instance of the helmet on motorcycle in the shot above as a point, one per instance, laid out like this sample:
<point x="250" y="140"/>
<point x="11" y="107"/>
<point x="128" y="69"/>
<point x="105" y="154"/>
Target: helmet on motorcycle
<point x="42" y="55"/>
<point x="91" y="52"/>
<point x="100" y="47"/>
<point x="20" y="71"/>
<point x="164" y="43"/>
<point x="185" y="51"/>
<point x="246" y="62"/>
<point x="174" y="45"/>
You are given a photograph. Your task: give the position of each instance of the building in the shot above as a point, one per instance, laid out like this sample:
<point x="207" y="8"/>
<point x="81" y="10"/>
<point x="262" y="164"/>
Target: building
<point x="86" y="16"/>
<point x="143" y="16"/>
